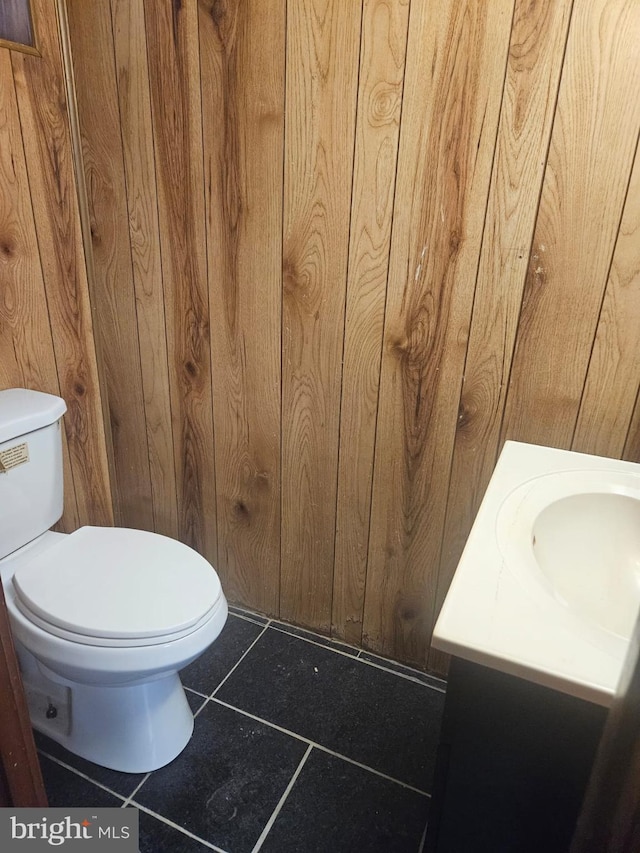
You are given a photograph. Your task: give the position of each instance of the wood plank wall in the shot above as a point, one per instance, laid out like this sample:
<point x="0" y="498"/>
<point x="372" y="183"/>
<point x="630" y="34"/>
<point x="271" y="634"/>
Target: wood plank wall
<point x="341" y="251"/>
<point x="46" y="331"/>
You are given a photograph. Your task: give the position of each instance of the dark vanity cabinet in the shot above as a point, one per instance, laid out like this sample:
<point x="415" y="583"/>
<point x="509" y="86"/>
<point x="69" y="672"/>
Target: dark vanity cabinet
<point x="513" y="764"/>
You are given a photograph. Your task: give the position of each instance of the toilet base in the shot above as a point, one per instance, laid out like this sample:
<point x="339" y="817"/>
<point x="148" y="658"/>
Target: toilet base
<point x="134" y="728"/>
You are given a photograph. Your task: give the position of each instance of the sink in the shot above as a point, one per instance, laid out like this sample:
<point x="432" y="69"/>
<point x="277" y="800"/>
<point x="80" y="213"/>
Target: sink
<point x="548" y="586"/>
<point x="576" y="534"/>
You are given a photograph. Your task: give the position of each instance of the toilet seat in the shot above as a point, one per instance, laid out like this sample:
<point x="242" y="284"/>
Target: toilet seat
<point x="108" y="586"/>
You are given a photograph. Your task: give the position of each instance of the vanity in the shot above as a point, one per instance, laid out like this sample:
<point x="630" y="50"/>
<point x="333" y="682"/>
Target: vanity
<point x="537" y="620"/>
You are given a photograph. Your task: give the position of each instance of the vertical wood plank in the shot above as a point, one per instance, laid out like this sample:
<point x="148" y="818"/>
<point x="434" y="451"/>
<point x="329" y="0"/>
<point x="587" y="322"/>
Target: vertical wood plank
<point x="27" y="357"/>
<point x="43" y="111"/>
<point x="242" y="48"/>
<point x="382" y="57"/>
<point x="537" y="43"/>
<point x="321" y="88"/>
<point x="632" y="444"/>
<point x="112" y="286"/>
<point x="613" y="377"/>
<point x="453" y="87"/>
<point x="173" y="52"/>
<point x="590" y="158"/>
<point x="132" y="73"/>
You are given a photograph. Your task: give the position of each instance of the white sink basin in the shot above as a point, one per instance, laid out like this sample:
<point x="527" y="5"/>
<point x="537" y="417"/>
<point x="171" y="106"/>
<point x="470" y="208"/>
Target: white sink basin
<point x="576" y="535"/>
<point x="548" y="586"/>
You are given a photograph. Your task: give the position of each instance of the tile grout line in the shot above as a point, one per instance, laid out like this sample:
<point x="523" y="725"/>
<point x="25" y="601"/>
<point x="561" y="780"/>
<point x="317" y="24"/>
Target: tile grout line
<point x="281" y="802"/>
<point x="247" y="618"/>
<point x="424" y="836"/>
<point x="177" y="826"/>
<point x="322" y="748"/>
<point x="356" y="655"/>
<point x="202" y="696"/>
<point x="413" y="679"/>
<point x="82" y="775"/>
<point x="129" y="801"/>
<point x="135" y="791"/>
<point x="197" y="692"/>
<point x="325" y="645"/>
<point x="237" y="663"/>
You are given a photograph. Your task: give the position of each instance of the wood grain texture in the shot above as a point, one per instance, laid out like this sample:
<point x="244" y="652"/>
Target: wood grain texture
<point x="43" y="110"/>
<point x="613" y="377"/>
<point x="27" y="358"/>
<point x="271" y="238"/>
<point x="631" y="450"/>
<point x="322" y="76"/>
<point x="453" y="90"/>
<point x="592" y="147"/>
<point x="242" y="59"/>
<point x="536" y="50"/>
<point x="112" y="277"/>
<point x="172" y="42"/>
<point x="382" y="58"/>
<point x="132" y="73"/>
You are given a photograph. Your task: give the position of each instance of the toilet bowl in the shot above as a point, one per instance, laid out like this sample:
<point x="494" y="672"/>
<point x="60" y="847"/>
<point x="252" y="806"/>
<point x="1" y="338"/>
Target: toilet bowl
<point x="103" y="619"/>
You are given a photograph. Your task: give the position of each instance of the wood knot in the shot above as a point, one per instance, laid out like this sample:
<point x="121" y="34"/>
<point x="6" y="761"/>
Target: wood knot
<point x="261" y="480"/>
<point x="289" y="275"/>
<point x="241" y="511"/>
<point x="190" y="369"/>
<point x="399" y="347"/>
<point x="454" y="243"/>
<point x="465" y="416"/>
<point x="383" y="104"/>
<point x="217" y="10"/>
<point x="79" y="389"/>
<point x="7" y="249"/>
<point x="408" y="613"/>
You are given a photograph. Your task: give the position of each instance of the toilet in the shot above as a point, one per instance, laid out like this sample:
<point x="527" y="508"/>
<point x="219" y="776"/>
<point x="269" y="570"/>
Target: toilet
<point x="102" y="618"/>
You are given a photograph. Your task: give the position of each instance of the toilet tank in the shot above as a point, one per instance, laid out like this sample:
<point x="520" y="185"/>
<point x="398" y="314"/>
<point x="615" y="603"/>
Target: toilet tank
<point x="31" y="487"/>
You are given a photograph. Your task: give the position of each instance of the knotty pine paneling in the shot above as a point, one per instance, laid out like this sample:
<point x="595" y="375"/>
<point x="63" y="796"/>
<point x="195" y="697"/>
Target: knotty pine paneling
<point x="594" y="137"/>
<point x="358" y="245"/>
<point x="132" y="80"/>
<point x="451" y="105"/>
<point x="537" y="42"/>
<point x="383" y="42"/>
<point x="27" y="358"/>
<point x="613" y="378"/>
<point x="174" y="77"/>
<point x="632" y="444"/>
<point x="113" y="285"/>
<point x="243" y="61"/>
<point x="57" y="247"/>
<point x="323" y="39"/>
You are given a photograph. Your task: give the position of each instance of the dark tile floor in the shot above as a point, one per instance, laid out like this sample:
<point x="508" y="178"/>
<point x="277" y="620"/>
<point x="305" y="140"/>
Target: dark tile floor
<point x="300" y="744"/>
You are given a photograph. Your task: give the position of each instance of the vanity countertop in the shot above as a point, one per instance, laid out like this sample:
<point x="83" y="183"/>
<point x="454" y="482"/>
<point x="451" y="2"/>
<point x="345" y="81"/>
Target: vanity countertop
<point x="492" y="618"/>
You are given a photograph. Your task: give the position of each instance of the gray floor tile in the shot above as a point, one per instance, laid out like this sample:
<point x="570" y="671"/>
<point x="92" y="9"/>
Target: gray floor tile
<point x="227" y="782"/>
<point x="371" y="716"/>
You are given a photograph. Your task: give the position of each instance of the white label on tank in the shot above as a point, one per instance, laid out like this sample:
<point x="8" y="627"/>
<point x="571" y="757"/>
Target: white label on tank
<point x="13" y="456"/>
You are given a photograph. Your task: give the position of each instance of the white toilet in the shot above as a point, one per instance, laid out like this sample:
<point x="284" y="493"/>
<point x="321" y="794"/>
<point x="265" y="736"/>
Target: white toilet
<point x="102" y="618"/>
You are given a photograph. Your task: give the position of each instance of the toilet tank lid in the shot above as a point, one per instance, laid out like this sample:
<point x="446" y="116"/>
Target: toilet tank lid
<point x="23" y="411"/>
